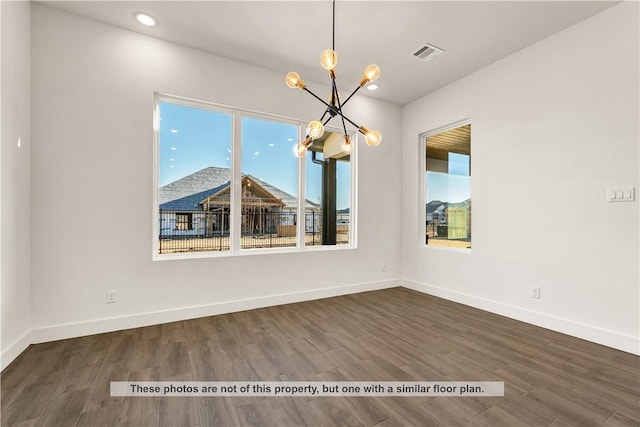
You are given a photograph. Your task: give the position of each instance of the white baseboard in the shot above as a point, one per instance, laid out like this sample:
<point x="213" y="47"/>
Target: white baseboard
<point x="73" y="330"/>
<point x="15" y="349"/>
<point x="612" y="339"/>
<point x="605" y="337"/>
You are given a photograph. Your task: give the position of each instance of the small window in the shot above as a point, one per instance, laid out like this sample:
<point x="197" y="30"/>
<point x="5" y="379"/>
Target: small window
<point x="184" y="221"/>
<point x="447" y="195"/>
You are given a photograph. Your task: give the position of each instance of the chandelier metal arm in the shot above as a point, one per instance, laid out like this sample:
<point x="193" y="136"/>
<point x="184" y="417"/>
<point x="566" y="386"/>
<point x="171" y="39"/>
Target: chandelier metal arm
<point x="338" y="111"/>
<point x="329" y="108"/>
<point x="352" y="93"/>
<point x="345" y="118"/>
<point x="317" y="97"/>
<point x="350" y="121"/>
<point x="336" y="98"/>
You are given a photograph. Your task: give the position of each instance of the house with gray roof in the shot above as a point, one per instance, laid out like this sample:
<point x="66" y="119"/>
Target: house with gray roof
<point x="437" y="211"/>
<point x="199" y="205"/>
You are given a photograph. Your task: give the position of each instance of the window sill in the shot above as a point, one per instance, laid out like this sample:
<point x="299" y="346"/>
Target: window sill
<point x="447" y="249"/>
<point x="248" y="252"/>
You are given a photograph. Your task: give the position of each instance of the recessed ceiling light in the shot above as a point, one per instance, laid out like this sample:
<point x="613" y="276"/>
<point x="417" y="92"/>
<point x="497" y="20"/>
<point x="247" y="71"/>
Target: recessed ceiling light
<point x="173" y="148"/>
<point x="372" y="87"/>
<point x="174" y="130"/>
<point x="145" y="19"/>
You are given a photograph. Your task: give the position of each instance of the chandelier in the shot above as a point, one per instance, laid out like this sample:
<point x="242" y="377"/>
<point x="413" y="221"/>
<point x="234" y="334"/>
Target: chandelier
<point x="315" y="128"/>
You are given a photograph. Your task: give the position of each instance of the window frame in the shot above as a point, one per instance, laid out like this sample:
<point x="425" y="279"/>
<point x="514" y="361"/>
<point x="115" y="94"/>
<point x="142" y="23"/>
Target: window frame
<point x="235" y="246"/>
<point x="422" y="185"/>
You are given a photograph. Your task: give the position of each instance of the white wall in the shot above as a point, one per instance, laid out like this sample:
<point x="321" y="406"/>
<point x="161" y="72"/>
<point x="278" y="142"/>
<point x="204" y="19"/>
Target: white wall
<point x="15" y="180"/>
<point x="93" y="88"/>
<point x="553" y="126"/>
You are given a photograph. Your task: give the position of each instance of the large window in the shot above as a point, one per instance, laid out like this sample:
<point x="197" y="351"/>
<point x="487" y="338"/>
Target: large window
<point x="228" y="181"/>
<point x="447" y="187"/>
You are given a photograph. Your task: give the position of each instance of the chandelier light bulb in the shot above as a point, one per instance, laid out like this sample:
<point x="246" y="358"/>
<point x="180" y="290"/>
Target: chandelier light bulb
<point x="329" y="59"/>
<point x="371" y="74"/>
<point x="373" y="138"/>
<point x="315" y="129"/>
<point x="293" y="80"/>
<point x="346" y="145"/>
<point x="300" y="150"/>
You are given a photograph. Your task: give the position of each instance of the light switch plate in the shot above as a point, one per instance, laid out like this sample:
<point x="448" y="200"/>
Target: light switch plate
<point x="621" y="194"/>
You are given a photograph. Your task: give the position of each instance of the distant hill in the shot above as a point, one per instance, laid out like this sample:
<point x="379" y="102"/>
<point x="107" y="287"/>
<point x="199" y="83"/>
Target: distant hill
<point x="461" y="204"/>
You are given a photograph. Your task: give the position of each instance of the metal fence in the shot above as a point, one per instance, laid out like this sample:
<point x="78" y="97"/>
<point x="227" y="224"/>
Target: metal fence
<point x="210" y="231"/>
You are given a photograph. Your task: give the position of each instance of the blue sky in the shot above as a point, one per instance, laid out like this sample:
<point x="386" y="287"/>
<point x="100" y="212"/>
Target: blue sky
<point x="192" y="139"/>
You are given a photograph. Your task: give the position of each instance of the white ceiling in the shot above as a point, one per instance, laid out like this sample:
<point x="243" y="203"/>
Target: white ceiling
<point x="289" y="35"/>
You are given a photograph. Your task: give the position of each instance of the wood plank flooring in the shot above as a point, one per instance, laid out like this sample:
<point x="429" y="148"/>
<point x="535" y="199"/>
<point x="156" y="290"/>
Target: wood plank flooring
<point x="390" y="335"/>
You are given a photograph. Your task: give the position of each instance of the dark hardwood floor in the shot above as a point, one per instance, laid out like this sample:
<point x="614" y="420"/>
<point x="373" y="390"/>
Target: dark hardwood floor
<point x="390" y="335"/>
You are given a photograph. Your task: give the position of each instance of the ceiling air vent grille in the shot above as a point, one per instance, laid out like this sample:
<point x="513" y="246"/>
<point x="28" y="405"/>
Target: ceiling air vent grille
<point x="427" y="52"/>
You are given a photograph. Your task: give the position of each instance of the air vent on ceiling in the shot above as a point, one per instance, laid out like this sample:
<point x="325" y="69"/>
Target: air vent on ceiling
<point x="427" y="52"/>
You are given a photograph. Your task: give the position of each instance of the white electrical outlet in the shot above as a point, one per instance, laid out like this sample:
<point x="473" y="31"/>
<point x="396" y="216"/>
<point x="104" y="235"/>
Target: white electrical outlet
<point x="111" y="297"/>
<point x="535" y="292"/>
<point x="383" y="268"/>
